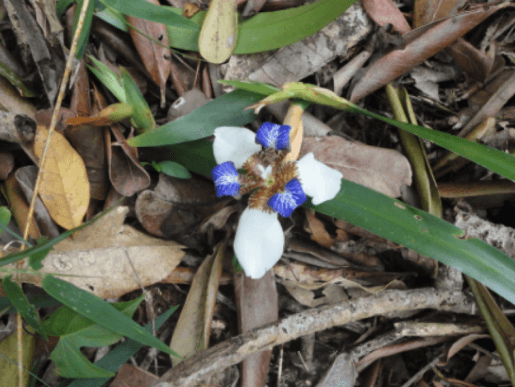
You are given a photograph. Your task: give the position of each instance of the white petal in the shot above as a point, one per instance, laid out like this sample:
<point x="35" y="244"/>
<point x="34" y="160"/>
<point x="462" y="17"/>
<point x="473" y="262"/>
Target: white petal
<point x="259" y="242"/>
<point x="318" y="180"/>
<point x="234" y="144"/>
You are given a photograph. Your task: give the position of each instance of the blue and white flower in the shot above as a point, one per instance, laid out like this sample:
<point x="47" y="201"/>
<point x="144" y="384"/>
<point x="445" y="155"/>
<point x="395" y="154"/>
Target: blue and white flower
<point x="276" y="186"/>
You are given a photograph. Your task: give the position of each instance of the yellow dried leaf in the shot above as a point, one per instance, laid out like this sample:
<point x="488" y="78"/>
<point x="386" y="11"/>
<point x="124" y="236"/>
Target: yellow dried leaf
<point x="217" y="38"/>
<point x="64" y="186"/>
<point x="19" y="206"/>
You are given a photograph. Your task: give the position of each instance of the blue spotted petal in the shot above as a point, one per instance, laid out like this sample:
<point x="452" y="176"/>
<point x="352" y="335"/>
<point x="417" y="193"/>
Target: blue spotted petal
<point x="225" y="177"/>
<point x="286" y="202"/>
<point x="274" y="136"/>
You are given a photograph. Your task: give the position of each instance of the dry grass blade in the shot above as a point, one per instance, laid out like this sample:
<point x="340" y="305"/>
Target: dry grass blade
<point x="57" y="107"/>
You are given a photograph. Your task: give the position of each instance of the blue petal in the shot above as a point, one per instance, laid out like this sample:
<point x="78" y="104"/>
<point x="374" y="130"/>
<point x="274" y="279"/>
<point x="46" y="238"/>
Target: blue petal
<point x="274" y="136"/>
<point x="225" y="177"/>
<point x="286" y="202"/>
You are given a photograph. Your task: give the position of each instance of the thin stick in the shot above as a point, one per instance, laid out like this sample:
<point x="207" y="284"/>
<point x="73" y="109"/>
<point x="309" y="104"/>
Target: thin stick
<point x="30" y="215"/>
<point x="234" y="350"/>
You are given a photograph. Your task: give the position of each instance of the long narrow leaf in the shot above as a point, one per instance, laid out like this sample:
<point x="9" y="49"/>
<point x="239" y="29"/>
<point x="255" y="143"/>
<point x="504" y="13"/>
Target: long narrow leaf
<point x="101" y="312"/>
<point x="264" y="32"/>
<point x="226" y="110"/>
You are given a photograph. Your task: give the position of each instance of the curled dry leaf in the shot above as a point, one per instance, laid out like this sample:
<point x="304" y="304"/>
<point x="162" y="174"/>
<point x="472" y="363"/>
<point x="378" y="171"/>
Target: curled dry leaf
<point x="110" y="259"/>
<point x="19" y="206"/>
<point x="11" y="101"/>
<point x="125" y="171"/>
<point x="320" y="235"/>
<point x="6" y="164"/>
<point x="257" y="305"/>
<point x="384" y="170"/>
<point x="156" y="58"/>
<point x="64" y="186"/>
<point x="419" y="45"/>
<point x="193" y="329"/>
<point x="26" y="177"/>
<point x="385" y="11"/>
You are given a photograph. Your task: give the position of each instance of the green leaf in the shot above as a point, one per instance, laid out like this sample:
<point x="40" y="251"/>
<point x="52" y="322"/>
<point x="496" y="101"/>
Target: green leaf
<point x="5" y="217"/>
<point x="86" y="27"/>
<point x="18" y="299"/>
<point x="264" y="32"/>
<point x="142" y="116"/>
<point x="253" y="86"/>
<point x="38" y="300"/>
<point x="225" y="110"/>
<point x="197" y="156"/>
<point x="16" y="81"/>
<point x="109" y="79"/>
<point x="148" y="11"/>
<point x="120" y="355"/>
<point x="61" y="7"/>
<point x="423" y="233"/>
<point x="76" y="331"/>
<point x="174" y="169"/>
<point x="100" y="312"/>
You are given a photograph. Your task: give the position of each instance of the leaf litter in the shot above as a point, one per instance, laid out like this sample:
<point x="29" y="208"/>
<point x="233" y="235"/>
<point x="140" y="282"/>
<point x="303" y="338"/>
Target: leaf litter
<point x="456" y="65"/>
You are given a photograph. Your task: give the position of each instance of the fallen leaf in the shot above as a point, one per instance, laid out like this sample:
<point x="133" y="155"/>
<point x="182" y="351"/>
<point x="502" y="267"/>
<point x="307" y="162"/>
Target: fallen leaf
<point x="190" y="9"/>
<point x="64" y="186"/>
<point x="384" y="170"/>
<point x="126" y="173"/>
<point x="257" y="305"/>
<point x="6" y="164"/>
<point x="156" y="58"/>
<point x="505" y="89"/>
<point x="193" y="329"/>
<point x="419" y="45"/>
<point x="131" y="376"/>
<point x="428" y="11"/>
<point x="26" y="178"/>
<point x="110" y="259"/>
<point x="217" y="38"/>
<point x="318" y="232"/>
<point x="11" y="101"/>
<point x="385" y="11"/>
<point x="19" y="206"/>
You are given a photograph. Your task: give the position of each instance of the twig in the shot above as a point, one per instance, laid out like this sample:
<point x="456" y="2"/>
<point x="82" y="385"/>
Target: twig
<point x="30" y="215"/>
<point x="234" y="350"/>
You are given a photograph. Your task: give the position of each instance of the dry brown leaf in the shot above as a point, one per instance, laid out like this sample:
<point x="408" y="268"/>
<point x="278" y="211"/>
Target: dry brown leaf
<point x="11" y="101"/>
<point x="6" y="164"/>
<point x="257" y="305"/>
<point x="192" y="331"/>
<point x="131" y="376"/>
<point x="19" y="207"/>
<point x="64" y="186"/>
<point x="501" y="89"/>
<point x="126" y="173"/>
<point x="332" y="294"/>
<point x="383" y="170"/>
<point x="156" y="58"/>
<point x="318" y="232"/>
<point x="110" y="259"/>
<point x="419" y="45"/>
<point x="428" y="11"/>
<point x="26" y="178"/>
<point x="385" y="11"/>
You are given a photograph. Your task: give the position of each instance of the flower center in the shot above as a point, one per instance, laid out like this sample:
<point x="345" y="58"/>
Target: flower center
<point x="266" y="174"/>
